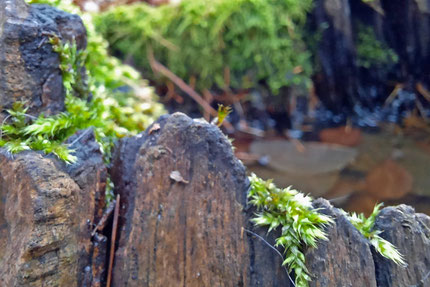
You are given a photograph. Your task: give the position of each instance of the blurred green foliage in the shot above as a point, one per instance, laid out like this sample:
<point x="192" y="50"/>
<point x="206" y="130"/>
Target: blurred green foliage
<point x="257" y="40"/>
<point x="371" y="52"/>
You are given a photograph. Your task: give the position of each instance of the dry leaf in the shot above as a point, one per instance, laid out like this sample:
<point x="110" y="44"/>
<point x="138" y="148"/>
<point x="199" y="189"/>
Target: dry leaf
<point x="176" y="176"/>
<point x="154" y="128"/>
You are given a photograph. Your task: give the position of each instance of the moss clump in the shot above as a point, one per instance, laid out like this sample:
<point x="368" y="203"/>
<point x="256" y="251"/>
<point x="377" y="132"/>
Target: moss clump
<point x="366" y="227"/>
<point x="256" y="40"/>
<point x="92" y="101"/>
<point x="371" y="52"/>
<point x="302" y="225"/>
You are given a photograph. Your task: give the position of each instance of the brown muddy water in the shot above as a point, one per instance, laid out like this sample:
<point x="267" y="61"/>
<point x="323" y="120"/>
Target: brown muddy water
<point x="390" y="166"/>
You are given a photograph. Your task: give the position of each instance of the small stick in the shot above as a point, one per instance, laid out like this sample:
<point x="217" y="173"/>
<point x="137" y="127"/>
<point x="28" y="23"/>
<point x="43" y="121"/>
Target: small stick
<point x="158" y="67"/>
<point x="113" y="240"/>
<point x="80" y="137"/>
<point x="106" y="214"/>
<point x="393" y="94"/>
<point x="423" y="91"/>
<point x="208" y="98"/>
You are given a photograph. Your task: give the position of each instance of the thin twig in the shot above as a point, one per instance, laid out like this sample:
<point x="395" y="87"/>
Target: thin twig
<point x="243" y="127"/>
<point x="113" y="240"/>
<point x="272" y="247"/>
<point x="80" y="137"/>
<point x="160" y="68"/>
<point x="30" y="116"/>
<point x="393" y="94"/>
<point x="421" y="281"/>
<point x="102" y="222"/>
<point x="425" y="277"/>
<point x="423" y="91"/>
<point x="208" y="98"/>
<point x="421" y="110"/>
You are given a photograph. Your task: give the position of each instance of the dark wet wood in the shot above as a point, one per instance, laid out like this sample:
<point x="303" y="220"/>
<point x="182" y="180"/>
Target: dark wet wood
<point x="410" y="232"/>
<point x="345" y="260"/>
<point x="186" y="229"/>
<point x="48" y="212"/>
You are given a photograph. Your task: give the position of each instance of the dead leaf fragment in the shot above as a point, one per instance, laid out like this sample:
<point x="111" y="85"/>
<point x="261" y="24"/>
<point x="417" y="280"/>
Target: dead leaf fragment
<point x="154" y="128"/>
<point x="176" y="176"/>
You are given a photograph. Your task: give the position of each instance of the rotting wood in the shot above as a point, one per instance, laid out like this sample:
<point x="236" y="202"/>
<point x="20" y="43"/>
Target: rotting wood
<point x="99" y="260"/>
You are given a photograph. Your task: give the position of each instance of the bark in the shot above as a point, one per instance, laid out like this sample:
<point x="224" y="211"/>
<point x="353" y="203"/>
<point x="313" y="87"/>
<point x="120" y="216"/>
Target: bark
<point x="410" y="232"/>
<point x="182" y="213"/>
<point x="336" y="82"/>
<point x="47" y="216"/>
<point x="29" y="68"/>
<point x="345" y="260"/>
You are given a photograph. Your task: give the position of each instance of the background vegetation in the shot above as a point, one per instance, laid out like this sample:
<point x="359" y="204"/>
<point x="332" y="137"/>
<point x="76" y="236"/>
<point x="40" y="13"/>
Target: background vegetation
<point x="256" y="41"/>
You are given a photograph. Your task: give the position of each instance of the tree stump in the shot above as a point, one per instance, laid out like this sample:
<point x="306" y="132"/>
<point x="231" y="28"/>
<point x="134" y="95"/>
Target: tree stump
<point x="29" y="68"/>
<point x="47" y="216"/>
<point x="182" y="214"/>
<point x="410" y="232"/>
<point x="345" y="260"/>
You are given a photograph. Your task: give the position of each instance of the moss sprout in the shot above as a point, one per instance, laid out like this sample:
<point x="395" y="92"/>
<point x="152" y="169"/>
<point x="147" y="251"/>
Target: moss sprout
<point x="302" y="225"/>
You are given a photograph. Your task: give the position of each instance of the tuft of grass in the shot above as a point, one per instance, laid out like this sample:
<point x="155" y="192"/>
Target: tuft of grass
<point x="223" y="112"/>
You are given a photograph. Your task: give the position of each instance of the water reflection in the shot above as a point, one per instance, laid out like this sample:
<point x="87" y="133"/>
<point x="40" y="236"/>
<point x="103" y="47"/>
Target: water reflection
<point x="389" y="165"/>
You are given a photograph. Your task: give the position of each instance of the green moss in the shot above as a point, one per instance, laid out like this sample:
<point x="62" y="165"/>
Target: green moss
<point x="366" y="227"/>
<point x="257" y="40"/>
<point x="302" y="225"/>
<point x="371" y="52"/>
<point x="111" y="113"/>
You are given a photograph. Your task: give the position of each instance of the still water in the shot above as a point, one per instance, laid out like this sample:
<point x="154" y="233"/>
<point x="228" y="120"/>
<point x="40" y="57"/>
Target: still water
<point x="354" y="172"/>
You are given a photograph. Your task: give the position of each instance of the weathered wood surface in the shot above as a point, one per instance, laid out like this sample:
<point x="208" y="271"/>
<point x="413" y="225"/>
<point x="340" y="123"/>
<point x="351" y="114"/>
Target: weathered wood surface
<point x="180" y="232"/>
<point x="184" y="220"/>
<point x="47" y="216"/>
<point x="265" y="264"/>
<point x="410" y="232"/>
<point x="29" y="68"/>
<point x="183" y="196"/>
<point x="345" y="260"/>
